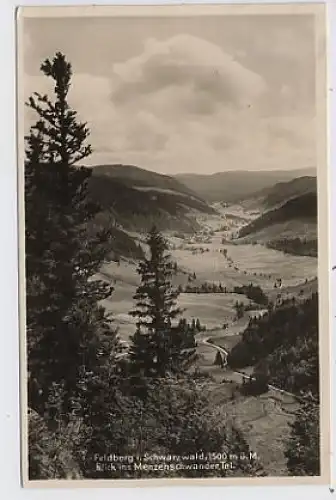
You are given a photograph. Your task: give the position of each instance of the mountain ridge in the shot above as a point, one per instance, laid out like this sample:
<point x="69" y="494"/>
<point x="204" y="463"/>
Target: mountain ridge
<point x="290" y="227"/>
<point x="300" y="207"/>
<point x="234" y="186"/>
<point x="134" y="199"/>
<point x="134" y="175"/>
<point x="283" y="191"/>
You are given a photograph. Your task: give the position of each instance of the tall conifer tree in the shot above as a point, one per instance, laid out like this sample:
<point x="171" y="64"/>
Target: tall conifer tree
<point x="158" y="348"/>
<point x="68" y="333"/>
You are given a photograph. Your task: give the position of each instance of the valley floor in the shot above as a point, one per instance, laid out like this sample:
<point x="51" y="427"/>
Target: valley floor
<point x="200" y="259"/>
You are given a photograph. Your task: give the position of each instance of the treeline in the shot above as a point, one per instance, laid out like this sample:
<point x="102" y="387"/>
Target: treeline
<point x="252" y="292"/>
<point x="194" y="326"/>
<point x="85" y="400"/>
<point x="203" y="288"/>
<point x="295" y="246"/>
<point x="284" y="349"/>
<point x="197" y="250"/>
<point x="241" y="308"/>
<point x="284" y="344"/>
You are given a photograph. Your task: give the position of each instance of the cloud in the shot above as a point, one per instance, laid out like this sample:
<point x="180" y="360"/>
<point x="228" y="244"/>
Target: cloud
<point x="89" y="96"/>
<point x="185" y="105"/>
<point x="198" y="67"/>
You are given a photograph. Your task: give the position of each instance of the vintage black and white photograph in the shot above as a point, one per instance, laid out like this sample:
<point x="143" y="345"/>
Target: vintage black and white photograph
<point x="172" y="218"/>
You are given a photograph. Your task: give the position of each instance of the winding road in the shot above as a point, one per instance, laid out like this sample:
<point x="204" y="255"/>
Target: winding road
<point x="205" y="340"/>
<point x="242" y="375"/>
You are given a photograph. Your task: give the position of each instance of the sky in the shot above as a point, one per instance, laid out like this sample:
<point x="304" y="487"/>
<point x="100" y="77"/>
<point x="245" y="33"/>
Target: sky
<point x="186" y="95"/>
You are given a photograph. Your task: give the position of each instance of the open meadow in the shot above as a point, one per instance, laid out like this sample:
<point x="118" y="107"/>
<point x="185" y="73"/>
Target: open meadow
<point x="244" y="263"/>
<point x="201" y="257"/>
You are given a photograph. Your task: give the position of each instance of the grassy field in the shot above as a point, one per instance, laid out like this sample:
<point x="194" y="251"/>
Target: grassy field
<point x="254" y="263"/>
<point x="263" y="419"/>
<point x="303" y="290"/>
<point x="265" y="425"/>
<point x="251" y="263"/>
<point x="212" y="309"/>
<point x="259" y="259"/>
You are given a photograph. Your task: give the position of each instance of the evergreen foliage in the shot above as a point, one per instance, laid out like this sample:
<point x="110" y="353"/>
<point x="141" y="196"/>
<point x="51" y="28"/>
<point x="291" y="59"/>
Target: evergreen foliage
<point x="303" y="446"/>
<point x="174" y="420"/>
<point x="240" y="309"/>
<point x="158" y="348"/>
<point x="252" y="292"/>
<point x="287" y="339"/>
<point x="68" y="333"/>
<point x="295" y="246"/>
<point x="218" y="359"/>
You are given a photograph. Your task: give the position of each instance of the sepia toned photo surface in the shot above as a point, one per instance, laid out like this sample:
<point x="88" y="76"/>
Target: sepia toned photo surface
<point x="173" y="221"/>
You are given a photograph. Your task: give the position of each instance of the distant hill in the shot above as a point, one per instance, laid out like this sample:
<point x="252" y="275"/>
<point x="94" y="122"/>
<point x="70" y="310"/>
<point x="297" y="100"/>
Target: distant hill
<point x="279" y="193"/>
<point x="302" y="208"/>
<point x="291" y="227"/>
<point x="134" y="176"/>
<point x="234" y="186"/>
<point x="135" y="199"/>
<point x="283" y="191"/>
